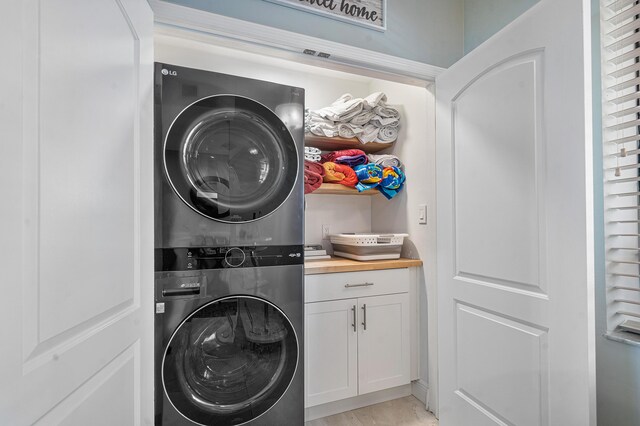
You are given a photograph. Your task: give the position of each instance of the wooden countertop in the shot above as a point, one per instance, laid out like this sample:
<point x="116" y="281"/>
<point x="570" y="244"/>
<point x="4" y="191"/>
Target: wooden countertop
<point x="338" y="264"/>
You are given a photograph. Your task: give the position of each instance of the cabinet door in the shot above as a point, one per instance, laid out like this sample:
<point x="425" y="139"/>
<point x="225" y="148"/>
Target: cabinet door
<point x="331" y="351"/>
<point x="383" y="342"/>
<point x="76" y="178"/>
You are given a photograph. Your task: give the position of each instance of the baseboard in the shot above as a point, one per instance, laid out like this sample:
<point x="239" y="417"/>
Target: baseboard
<point x="331" y="408"/>
<point x="420" y="389"/>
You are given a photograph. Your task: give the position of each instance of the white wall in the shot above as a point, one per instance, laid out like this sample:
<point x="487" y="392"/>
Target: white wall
<point x="321" y="86"/>
<point x="416" y="148"/>
<point x="341" y="213"/>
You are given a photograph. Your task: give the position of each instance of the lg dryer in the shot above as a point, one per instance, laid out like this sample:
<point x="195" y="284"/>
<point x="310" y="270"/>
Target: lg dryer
<point x="229" y="155"/>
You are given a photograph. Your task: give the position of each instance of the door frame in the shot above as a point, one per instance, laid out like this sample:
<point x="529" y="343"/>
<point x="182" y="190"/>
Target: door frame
<point x="192" y="24"/>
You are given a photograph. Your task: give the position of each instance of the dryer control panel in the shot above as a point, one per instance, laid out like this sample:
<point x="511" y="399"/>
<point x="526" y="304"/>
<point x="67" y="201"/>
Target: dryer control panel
<point x="197" y="258"/>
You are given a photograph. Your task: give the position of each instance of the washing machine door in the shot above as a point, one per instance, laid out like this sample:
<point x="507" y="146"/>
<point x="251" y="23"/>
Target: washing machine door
<point x="230" y="361"/>
<point x="231" y="158"/>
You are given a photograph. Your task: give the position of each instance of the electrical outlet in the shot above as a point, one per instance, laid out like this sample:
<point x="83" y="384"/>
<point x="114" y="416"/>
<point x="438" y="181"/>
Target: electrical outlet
<point x="325" y="232"/>
<point x="422" y="214"/>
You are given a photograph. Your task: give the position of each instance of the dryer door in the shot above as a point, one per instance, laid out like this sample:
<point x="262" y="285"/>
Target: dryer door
<point x="231" y="158"/>
<point x="230" y="361"/>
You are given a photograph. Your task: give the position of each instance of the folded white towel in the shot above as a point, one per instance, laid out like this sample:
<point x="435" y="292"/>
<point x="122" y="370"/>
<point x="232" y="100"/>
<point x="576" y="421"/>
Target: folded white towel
<point x="363" y="118"/>
<point x="374" y="99"/>
<point x="385" y="121"/>
<point x="348" y="130"/>
<point x="345" y="131"/>
<point x="386" y="160"/>
<point x="343" y="109"/>
<point x="324" y="129"/>
<point x="385" y="111"/>
<point x="369" y="133"/>
<point x="387" y="134"/>
<point x="369" y="119"/>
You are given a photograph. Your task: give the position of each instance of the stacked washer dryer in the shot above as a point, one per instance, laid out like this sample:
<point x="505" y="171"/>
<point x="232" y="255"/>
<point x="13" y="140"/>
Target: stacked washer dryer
<point x="229" y="250"/>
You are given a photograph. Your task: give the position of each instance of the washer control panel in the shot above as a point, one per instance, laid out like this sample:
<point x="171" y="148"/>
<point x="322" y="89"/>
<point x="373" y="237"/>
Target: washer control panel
<point x="196" y="258"/>
<point x="235" y="257"/>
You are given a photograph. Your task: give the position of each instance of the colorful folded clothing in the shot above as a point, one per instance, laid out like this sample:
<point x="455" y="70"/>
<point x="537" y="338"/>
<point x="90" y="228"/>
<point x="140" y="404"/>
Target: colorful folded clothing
<point x="392" y="181"/>
<point x="349" y="157"/>
<point x="331" y="156"/>
<point x="369" y="176"/>
<point x="314" y="167"/>
<point x="352" y="160"/>
<point x="339" y="173"/>
<point x="312" y="181"/>
<point x="331" y="175"/>
<point x="313" y="173"/>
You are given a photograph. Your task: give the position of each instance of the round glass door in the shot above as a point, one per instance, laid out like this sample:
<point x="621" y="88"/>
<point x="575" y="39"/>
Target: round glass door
<point x="230" y="361"/>
<point x="231" y="158"/>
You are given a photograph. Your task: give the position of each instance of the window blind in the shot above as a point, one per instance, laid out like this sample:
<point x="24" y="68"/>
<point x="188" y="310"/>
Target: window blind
<point x="621" y="128"/>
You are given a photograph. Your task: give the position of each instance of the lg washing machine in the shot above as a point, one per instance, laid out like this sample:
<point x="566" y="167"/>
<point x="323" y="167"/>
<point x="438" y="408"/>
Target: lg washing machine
<point x="229" y="340"/>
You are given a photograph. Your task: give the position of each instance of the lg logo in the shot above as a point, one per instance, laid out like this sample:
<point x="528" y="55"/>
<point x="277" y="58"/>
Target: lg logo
<point x="167" y="72"/>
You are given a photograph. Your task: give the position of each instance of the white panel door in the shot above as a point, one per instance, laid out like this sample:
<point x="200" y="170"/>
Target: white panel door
<point x="515" y="268"/>
<point x="384" y="349"/>
<point x="76" y="178"/>
<point x="331" y="351"/>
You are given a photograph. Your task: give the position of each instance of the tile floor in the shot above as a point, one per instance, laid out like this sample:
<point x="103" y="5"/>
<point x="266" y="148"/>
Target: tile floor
<point x="407" y="411"/>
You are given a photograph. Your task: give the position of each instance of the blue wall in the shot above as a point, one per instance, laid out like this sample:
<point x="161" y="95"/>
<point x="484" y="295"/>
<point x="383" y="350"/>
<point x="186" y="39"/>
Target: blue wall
<point x="436" y="32"/>
<point x="428" y="31"/>
<point x="483" y="18"/>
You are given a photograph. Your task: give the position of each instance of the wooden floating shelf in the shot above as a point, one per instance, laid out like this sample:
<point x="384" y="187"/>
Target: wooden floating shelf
<point x="335" y="144"/>
<point x="338" y="189"/>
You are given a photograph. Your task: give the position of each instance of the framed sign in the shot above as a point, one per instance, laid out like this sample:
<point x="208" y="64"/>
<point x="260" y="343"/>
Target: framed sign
<point x="367" y="13"/>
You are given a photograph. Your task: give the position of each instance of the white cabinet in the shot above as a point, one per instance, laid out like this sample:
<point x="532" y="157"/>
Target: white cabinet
<point x="383" y="342"/>
<point x="331" y="364"/>
<point x="359" y="344"/>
